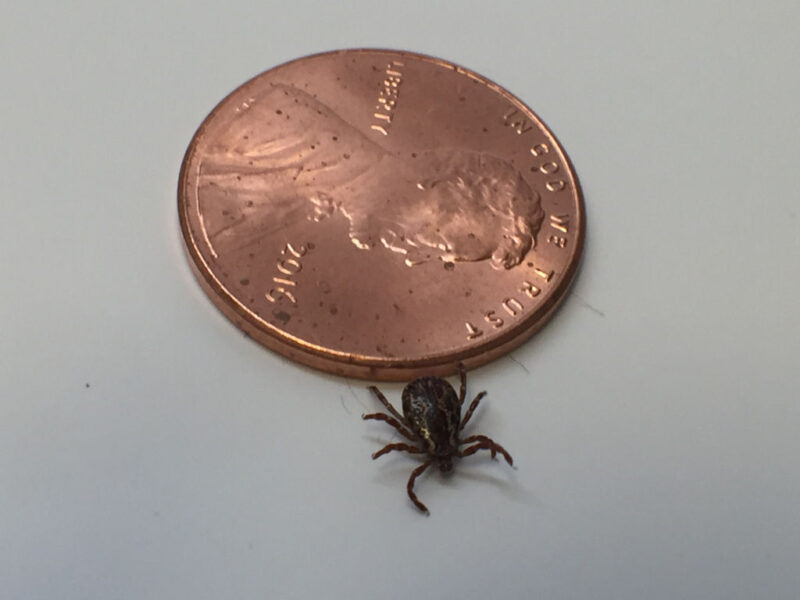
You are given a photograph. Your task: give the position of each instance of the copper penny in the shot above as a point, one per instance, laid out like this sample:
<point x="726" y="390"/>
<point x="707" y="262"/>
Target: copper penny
<point x="380" y="214"/>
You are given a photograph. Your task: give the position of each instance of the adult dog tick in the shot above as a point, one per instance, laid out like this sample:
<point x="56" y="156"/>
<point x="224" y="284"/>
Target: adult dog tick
<point x="432" y="420"/>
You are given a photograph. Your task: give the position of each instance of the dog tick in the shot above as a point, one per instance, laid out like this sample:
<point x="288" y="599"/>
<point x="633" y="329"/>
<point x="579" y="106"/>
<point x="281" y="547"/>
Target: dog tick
<point x="432" y="420"/>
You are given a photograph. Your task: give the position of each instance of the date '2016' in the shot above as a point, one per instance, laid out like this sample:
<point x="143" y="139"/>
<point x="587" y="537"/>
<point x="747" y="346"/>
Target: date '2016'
<point x="288" y="266"/>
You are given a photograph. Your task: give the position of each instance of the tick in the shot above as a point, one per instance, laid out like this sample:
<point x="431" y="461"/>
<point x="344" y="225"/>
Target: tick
<point x="432" y="420"/>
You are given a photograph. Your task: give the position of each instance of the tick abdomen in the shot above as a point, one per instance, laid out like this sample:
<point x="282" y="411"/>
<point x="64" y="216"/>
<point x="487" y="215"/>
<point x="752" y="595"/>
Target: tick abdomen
<point x="430" y="405"/>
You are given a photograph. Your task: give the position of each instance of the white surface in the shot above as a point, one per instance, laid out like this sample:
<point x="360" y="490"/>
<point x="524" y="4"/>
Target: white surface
<point x="655" y="421"/>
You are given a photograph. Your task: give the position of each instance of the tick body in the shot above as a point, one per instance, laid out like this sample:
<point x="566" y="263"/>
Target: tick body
<point x="432" y="420"/>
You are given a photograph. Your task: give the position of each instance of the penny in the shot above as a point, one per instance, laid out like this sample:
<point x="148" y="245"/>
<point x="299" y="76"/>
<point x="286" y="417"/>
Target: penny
<point x="380" y="214"/>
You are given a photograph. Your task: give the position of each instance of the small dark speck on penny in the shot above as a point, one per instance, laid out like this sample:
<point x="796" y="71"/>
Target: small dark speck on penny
<point x="346" y="156"/>
<point x="313" y="325"/>
<point x="413" y="155"/>
<point x="333" y="310"/>
<point x="485" y="130"/>
<point x="244" y="281"/>
<point x="282" y="316"/>
<point x="468" y="293"/>
<point x="249" y="202"/>
<point x="335" y="139"/>
<point x="279" y="112"/>
<point x="377" y="317"/>
<point x="410" y="291"/>
<point x="462" y="98"/>
<point x="310" y="245"/>
<point x="530" y="264"/>
<point x="448" y="266"/>
<point x="396" y="307"/>
<point x="226" y="212"/>
<point x="252" y="255"/>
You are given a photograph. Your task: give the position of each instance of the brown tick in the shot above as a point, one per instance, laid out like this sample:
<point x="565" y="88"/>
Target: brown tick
<point x="432" y="420"/>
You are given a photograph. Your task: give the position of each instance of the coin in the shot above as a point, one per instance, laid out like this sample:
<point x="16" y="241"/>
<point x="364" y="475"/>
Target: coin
<point x="380" y="214"/>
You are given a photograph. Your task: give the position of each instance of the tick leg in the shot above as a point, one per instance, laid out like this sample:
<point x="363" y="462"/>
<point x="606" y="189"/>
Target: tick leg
<point x="389" y="447"/>
<point x="393" y="422"/>
<point x="410" y="487"/>
<point x="484" y="442"/>
<point x="386" y="403"/>
<point x="473" y="449"/>
<point x="471" y="410"/>
<point x="463" y="392"/>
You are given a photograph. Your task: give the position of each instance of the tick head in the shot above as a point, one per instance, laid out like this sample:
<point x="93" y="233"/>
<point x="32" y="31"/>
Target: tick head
<point x="446" y="464"/>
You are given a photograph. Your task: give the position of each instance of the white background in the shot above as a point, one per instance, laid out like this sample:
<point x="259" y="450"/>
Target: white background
<point x="149" y="450"/>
